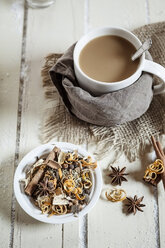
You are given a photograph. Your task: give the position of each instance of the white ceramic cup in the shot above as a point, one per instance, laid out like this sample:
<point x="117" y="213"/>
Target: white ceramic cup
<point x="97" y="87"/>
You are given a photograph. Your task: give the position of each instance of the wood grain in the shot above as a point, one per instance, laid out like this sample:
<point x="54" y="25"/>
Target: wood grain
<point x="49" y="30"/>
<point x="45" y="31"/>
<point x="108" y="222"/>
<point x="156" y="10"/>
<point x="127" y="14"/>
<point x="161" y="202"/>
<point x="111" y="219"/>
<point x="10" y="53"/>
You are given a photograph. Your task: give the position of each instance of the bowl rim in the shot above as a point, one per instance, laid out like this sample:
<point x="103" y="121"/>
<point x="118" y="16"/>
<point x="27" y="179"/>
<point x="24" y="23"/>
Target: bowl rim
<point x="21" y="196"/>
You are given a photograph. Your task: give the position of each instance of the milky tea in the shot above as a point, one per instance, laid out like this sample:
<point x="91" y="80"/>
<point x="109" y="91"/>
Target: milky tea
<point x="108" y="59"/>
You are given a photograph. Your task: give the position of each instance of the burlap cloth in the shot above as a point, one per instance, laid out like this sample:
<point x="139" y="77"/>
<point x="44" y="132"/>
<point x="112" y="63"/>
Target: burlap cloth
<point x="129" y="137"/>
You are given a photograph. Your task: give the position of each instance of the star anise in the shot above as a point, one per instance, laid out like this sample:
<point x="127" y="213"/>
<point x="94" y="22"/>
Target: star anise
<point x="134" y="204"/>
<point x="118" y="175"/>
<point x="45" y="188"/>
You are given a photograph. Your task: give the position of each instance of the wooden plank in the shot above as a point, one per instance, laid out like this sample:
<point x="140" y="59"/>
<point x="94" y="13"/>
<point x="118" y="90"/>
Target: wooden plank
<point x="156" y="10"/>
<point x="156" y="13"/>
<point x="10" y="51"/>
<point x="127" y="14"/>
<point x="117" y="229"/>
<point x="49" y="30"/>
<point x="71" y="235"/>
<point x="108" y="222"/>
<point x="161" y="202"/>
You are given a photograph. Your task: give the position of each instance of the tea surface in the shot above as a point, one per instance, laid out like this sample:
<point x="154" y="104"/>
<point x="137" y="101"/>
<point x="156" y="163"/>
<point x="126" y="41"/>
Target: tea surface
<point x="108" y="59"/>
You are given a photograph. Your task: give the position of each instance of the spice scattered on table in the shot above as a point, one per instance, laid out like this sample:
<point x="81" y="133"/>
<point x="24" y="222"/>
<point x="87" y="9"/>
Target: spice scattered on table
<point x="154" y="171"/>
<point x="61" y="183"/>
<point x="115" y="195"/>
<point x="134" y="204"/>
<point x="160" y="155"/>
<point x="118" y="175"/>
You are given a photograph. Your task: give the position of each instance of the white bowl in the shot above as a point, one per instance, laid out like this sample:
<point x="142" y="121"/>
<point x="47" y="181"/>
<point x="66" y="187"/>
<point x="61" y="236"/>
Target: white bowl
<point x="25" y="202"/>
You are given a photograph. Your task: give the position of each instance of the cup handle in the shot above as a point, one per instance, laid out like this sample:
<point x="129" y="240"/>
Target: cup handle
<point x="158" y="70"/>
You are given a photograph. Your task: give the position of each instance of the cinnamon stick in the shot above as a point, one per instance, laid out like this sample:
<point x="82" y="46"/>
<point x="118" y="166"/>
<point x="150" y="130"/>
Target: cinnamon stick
<point x="34" y="181"/>
<point x="160" y="155"/>
<point x="163" y="159"/>
<point x="160" y="148"/>
<point x="156" y="181"/>
<point x="156" y="148"/>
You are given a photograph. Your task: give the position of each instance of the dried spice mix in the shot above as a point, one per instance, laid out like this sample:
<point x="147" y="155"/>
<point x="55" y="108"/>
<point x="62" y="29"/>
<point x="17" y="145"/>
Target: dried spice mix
<point x="61" y="183"/>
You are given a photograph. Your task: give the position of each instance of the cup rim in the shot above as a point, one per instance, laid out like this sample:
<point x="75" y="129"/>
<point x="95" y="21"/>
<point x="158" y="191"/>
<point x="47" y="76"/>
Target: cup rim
<point x="101" y="83"/>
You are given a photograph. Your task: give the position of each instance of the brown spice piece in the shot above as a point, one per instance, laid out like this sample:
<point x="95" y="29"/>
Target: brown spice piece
<point x="58" y="191"/>
<point x="160" y="155"/>
<point x="65" y="166"/>
<point x="34" y="181"/>
<point x="51" y="156"/>
<point x="45" y="187"/>
<point x="154" y="182"/>
<point x="57" y="151"/>
<point x="118" y="175"/>
<point x="53" y="164"/>
<point x="134" y="204"/>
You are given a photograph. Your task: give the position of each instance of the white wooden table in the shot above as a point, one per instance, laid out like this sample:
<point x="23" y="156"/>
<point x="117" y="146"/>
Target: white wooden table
<point x="26" y="37"/>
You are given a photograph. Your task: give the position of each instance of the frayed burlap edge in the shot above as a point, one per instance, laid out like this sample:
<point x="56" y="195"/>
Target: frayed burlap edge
<point x="58" y="122"/>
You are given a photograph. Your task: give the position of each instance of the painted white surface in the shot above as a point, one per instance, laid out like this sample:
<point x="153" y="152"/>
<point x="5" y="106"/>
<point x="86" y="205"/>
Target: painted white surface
<point x="109" y="224"/>
<point x="46" y="32"/>
<point x="127" y="14"/>
<point x="10" y="55"/>
<point x="52" y="30"/>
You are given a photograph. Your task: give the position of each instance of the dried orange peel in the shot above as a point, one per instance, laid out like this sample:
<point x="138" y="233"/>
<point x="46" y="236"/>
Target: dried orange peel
<point x="87" y="184"/>
<point x="150" y="175"/>
<point x="86" y="174"/>
<point x="157" y="166"/>
<point x="69" y="185"/>
<point x="65" y="186"/>
<point x="59" y="209"/>
<point x="115" y="195"/>
<point x="153" y="170"/>
<point x="80" y="197"/>
<point x="60" y="173"/>
<point x="90" y="165"/>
